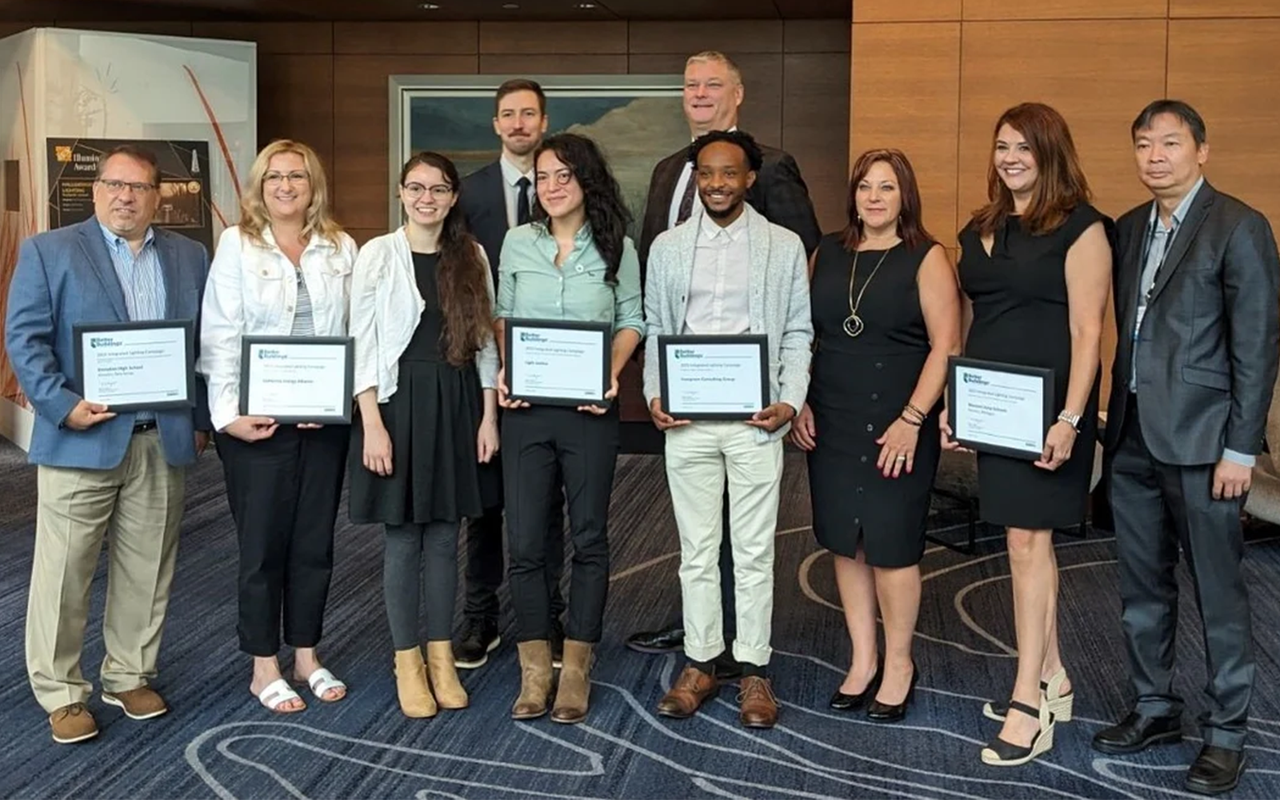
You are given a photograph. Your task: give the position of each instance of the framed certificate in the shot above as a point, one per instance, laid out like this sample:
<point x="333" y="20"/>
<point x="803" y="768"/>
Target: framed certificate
<point x="137" y="366"/>
<point x="1000" y="408"/>
<point x="296" y="379"/>
<point x="714" y="377"/>
<point x="550" y="362"/>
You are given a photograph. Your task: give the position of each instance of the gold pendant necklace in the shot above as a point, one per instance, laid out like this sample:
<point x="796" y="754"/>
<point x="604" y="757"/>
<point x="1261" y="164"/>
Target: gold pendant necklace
<point x="853" y="325"/>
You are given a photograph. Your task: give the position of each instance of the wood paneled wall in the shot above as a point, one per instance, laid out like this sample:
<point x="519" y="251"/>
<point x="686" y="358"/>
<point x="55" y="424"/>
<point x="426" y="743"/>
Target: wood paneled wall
<point x="932" y="76"/>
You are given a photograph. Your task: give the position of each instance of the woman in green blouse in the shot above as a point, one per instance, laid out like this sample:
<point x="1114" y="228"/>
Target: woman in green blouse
<point x="575" y="263"/>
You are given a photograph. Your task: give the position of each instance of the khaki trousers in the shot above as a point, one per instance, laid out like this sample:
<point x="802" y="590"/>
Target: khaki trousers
<point x="140" y="504"/>
<point x="700" y="457"/>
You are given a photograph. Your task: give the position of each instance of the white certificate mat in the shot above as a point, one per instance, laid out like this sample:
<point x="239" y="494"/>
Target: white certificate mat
<point x="558" y="363"/>
<point x="714" y="377"/>
<point x="1000" y="408"/>
<point x="137" y="366"/>
<point x="294" y="379"/>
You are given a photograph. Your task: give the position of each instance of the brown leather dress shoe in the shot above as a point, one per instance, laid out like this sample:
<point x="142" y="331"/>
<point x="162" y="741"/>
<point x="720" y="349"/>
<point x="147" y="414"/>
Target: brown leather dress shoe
<point x="759" y="708"/>
<point x="693" y="688"/>
<point x="141" y="703"/>
<point x="72" y="724"/>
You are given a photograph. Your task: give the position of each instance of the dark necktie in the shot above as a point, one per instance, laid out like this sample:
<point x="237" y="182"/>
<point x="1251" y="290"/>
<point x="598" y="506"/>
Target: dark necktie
<point x="522" y="201"/>
<point x="686" y="202"/>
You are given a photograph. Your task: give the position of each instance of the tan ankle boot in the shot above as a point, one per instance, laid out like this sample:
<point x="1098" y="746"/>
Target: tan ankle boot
<point x="535" y="679"/>
<point x="411" y="685"/>
<point x="444" y="677"/>
<point x="575" y="683"/>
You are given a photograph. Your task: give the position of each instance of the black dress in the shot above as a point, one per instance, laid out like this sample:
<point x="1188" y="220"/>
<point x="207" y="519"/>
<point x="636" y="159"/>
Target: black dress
<point x="858" y="387"/>
<point x="1019" y="295"/>
<point x="432" y="419"/>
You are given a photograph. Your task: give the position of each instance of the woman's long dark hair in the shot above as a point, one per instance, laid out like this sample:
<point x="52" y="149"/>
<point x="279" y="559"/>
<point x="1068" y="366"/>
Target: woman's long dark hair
<point x="460" y="276"/>
<point x="602" y="202"/>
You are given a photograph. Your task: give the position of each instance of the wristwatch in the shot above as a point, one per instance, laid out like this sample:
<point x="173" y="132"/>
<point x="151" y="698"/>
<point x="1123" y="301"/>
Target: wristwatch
<point x="1071" y="419"/>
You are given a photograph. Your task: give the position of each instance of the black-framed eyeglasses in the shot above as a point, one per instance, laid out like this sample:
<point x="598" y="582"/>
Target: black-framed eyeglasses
<point x="277" y="178"/>
<point x="116" y="187"/>
<point x="415" y="190"/>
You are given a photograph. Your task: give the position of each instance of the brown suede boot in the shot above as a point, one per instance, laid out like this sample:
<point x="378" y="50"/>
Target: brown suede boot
<point x="444" y="677"/>
<point x="535" y="679"/>
<point x="411" y="685"/>
<point x="575" y="683"/>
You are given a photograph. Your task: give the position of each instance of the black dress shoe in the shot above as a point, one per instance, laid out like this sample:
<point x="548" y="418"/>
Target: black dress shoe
<point x="883" y="712"/>
<point x="852" y="702"/>
<point x="1137" y="733"/>
<point x="727" y="668"/>
<point x="478" y="638"/>
<point x="1215" y="770"/>
<point x="667" y="640"/>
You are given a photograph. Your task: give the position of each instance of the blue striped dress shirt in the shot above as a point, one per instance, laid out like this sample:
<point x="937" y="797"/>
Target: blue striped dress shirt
<point x="141" y="281"/>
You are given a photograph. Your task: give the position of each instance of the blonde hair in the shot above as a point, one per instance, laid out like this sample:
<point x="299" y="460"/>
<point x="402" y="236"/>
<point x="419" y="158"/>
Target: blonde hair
<point x="716" y="55"/>
<point x="254" y="218"/>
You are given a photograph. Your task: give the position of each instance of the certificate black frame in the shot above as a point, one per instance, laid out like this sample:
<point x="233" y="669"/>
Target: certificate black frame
<point x="665" y="343"/>
<point x="606" y="362"/>
<point x="249" y="341"/>
<point x="1044" y="373"/>
<point x="80" y="330"/>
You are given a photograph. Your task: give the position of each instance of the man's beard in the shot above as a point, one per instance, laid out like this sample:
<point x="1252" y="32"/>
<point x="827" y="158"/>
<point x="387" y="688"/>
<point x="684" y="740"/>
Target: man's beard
<point x="728" y="212"/>
<point x="523" y="147"/>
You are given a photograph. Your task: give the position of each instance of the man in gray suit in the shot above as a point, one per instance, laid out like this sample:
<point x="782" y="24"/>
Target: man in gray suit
<point x="1197" y="298"/>
<point x="728" y="272"/>
<point x="99" y="470"/>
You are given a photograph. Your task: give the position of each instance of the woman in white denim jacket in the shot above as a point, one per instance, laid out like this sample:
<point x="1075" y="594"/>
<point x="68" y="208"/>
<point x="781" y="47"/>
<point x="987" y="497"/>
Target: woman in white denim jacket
<point x="425" y="370"/>
<point x="285" y="270"/>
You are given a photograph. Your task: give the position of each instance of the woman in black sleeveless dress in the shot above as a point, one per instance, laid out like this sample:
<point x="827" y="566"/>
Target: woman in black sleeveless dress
<point x="1036" y="264"/>
<point x="886" y="315"/>
<point x="425" y="371"/>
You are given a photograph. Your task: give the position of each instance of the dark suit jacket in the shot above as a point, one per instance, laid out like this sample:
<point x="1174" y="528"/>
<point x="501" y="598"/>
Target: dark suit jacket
<point x="779" y="194"/>
<point x="484" y="205"/>
<point x="1210" y="340"/>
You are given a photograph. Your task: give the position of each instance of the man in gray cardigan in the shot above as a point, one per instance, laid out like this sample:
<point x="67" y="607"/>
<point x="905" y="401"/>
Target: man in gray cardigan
<point x="728" y="272"/>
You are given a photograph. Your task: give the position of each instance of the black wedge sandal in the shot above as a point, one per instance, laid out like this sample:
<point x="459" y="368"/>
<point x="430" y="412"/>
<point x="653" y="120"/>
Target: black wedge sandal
<point x="1000" y="753"/>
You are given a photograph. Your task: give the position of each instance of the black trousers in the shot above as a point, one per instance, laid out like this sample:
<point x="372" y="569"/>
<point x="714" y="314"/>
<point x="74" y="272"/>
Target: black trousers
<point x="485" y="556"/>
<point x="1158" y="507"/>
<point x="284" y="494"/>
<point x="542" y="445"/>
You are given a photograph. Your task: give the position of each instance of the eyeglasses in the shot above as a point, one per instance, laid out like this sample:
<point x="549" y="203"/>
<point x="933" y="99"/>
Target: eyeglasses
<point x="560" y="176"/>
<point x="415" y="190"/>
<point x="277" y="178"/>
<point x="116" y="187"/>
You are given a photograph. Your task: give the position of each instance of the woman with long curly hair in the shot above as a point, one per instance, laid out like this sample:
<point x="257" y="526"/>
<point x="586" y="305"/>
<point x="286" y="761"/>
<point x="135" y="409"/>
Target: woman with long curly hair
<point x="284" y="270"/>
<point x="425" y="367"/>
<point x="574" y="262"/>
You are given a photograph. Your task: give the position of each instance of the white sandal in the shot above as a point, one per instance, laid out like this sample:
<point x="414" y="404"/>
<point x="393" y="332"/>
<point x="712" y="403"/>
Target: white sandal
<point x="322" y="681"/>
<point x="276" y="694"/>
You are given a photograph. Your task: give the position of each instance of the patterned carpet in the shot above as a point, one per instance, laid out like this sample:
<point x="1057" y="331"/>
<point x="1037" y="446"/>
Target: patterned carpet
<point x="218" y="743"/>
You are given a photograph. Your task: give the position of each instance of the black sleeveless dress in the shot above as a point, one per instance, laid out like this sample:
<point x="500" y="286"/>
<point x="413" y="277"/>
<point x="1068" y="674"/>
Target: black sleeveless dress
<point x="432" y="419"/>
<point x="1019" y="295"/>
<point x="858" y="387"/>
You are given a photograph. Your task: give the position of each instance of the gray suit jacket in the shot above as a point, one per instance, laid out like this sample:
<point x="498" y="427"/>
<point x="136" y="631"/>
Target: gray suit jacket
<point x="778" y="305"/>
<point x="1210" y="340"/>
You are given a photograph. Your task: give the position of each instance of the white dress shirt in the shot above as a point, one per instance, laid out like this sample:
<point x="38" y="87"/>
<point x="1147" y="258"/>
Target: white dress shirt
<point x="511" y="175"/>
<point x="386" y="307"/>
<point x="682" y="184"/>
<point x="720" y="286"/>
<point x="253" y="290"/>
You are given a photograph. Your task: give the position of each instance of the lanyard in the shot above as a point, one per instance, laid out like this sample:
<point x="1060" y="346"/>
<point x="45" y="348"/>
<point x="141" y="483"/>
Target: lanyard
<point x="1164" y="253"/>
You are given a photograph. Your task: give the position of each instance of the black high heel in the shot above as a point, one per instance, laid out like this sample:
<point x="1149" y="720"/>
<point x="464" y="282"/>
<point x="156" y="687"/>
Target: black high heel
<point x="852" y="702"/>
<point x="883" y="712"/>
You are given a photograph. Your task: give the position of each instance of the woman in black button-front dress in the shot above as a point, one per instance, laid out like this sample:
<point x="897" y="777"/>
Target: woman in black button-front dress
<point x="886" y="314"/>
<point x="1036" y="263"/>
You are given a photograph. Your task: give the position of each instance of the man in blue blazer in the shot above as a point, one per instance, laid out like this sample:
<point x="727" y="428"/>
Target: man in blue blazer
<point x="100" y="471"/>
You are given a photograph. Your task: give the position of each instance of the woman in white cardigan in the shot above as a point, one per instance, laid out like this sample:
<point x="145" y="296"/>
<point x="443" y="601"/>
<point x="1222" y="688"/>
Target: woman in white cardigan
<point x="284" y="270"/>
<point x="425" y="370"/>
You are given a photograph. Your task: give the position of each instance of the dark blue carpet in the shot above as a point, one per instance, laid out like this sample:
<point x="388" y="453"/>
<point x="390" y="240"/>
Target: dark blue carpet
<point x="217" y="742"/>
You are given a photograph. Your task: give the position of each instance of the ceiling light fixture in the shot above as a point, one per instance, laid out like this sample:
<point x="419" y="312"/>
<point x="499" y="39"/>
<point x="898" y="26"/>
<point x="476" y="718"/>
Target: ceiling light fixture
<point x="510" y="6"/>
<point x="428" y="6"/>
<point x="585" y="6"/>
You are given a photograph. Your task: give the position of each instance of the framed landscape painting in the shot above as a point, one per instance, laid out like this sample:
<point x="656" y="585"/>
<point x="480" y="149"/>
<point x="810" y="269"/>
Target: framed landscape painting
<point x="636" y="119"/>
